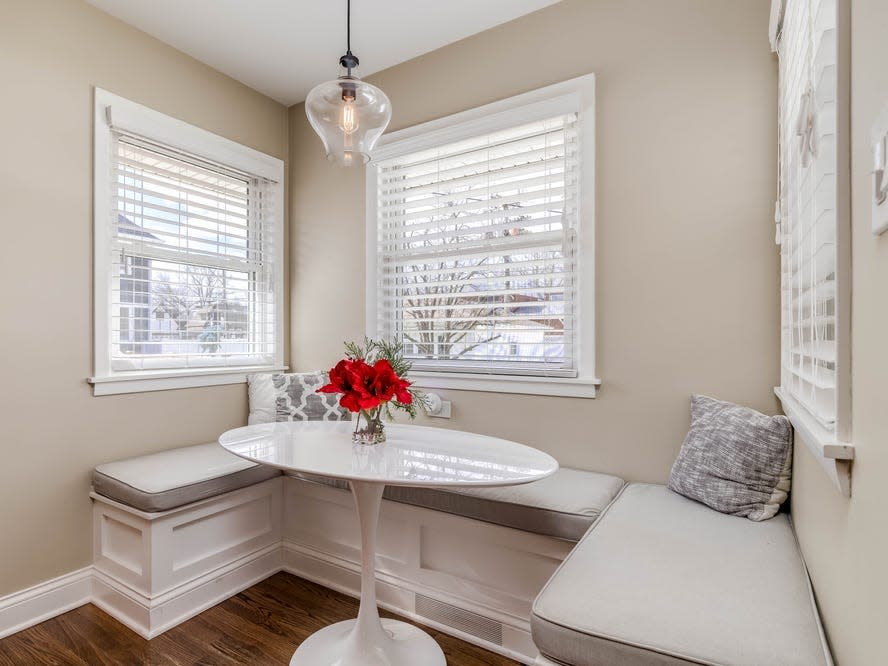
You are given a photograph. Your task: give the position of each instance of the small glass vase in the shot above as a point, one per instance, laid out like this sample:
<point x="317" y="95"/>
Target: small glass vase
<point x="371" y="432"/>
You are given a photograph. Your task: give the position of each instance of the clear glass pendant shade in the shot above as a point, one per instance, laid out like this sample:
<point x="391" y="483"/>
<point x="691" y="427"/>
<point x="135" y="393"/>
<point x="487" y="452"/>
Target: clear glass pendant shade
<point x="349" y="116"/>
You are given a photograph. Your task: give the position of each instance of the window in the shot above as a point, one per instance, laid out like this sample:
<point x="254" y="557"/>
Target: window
<point x="813" y="221"/>
<point x="188" y="253"/>
<point x="479" y="243"/>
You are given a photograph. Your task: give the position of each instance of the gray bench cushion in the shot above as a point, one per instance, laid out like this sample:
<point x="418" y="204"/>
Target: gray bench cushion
<point x="563" y="505"/>
<point x="173" y="478"/>
<point x="661" y="579"/>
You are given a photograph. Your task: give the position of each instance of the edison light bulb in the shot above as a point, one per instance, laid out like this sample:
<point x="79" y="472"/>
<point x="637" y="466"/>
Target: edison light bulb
<point x="348" y="118"/>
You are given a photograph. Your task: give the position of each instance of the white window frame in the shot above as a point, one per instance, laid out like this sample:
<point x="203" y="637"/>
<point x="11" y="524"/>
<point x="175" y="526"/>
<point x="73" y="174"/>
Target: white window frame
<point x="114" y="112"/>
<point x="833" y="448"/>
<point x="572" y="96"/>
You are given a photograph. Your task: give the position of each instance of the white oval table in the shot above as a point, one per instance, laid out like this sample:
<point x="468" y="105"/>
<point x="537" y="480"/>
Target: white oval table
<point x="412" y="456"/>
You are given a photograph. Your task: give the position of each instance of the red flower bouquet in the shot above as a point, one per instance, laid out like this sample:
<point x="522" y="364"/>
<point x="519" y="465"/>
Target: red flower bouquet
<point x="371" y="379"/>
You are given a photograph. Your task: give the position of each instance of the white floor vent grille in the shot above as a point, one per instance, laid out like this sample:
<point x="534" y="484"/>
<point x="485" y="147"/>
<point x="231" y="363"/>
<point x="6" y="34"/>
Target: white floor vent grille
<point x="463" y="620"/>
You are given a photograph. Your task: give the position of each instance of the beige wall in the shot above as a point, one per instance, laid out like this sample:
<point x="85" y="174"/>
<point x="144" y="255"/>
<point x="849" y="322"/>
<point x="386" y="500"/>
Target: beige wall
<point x="687" y="282"/>
<point x="845" y="541"/>
<point x="53" y="430"/>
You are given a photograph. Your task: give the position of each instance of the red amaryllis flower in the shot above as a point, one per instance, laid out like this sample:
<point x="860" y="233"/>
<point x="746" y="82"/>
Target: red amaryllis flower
<point x="387" y="385"/>
<point x="352" y="379"/>
<point x="365" y="387"/>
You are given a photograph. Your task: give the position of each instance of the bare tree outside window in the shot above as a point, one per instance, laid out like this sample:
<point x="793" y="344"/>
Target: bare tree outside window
<point x="200" y="305"/>
<point x="448" y="304"/>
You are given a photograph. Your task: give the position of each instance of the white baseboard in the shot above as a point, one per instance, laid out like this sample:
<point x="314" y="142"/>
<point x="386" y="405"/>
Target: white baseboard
<point x="42" y="602"/>
<point x="150" y="618"/>
<point x="33" y="605"/>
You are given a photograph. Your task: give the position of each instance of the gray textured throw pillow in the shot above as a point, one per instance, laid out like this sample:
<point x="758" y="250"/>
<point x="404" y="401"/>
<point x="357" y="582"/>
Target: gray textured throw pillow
<point x="734" y="459"/>
<point x="297" y="399"/>
<point x="292" y="397"/>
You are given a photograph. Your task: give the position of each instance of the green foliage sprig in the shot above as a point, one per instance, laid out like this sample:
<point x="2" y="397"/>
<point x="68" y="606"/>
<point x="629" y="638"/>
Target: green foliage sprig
<point x="392" y="351"/>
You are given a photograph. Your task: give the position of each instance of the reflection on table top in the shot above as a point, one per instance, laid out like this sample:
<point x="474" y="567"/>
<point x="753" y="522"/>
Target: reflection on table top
<point x="411" y="456"/>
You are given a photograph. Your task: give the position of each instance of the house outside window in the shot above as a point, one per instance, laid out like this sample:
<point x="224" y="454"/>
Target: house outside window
<point x="480" y="244"/>
<point x="188" y="254"/>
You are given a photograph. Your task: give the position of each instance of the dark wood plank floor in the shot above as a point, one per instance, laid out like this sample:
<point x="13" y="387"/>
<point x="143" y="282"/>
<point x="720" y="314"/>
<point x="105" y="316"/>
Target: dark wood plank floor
<point x="262" y="625"/>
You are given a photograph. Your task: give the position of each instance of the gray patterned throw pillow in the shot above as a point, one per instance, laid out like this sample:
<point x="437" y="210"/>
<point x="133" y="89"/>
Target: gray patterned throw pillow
<point x="297" y="399"/>
<point x="734" y="459"/>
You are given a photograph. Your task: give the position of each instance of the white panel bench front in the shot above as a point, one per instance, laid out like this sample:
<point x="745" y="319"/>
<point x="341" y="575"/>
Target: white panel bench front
<point x="468" y="578"/>
<point x="155" y="570"/>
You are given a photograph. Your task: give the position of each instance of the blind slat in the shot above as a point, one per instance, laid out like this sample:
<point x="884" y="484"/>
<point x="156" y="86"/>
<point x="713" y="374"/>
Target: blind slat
<point x="486" y="228"/>
<point x="405" y="292"/>
<point x="537" y="156"/>
<point x="518" y="201"/>
<point x="513" y="214"/>
<point x="440" y="199"/>
<point x="514" y="137"/>
<point x="553" y="165"/>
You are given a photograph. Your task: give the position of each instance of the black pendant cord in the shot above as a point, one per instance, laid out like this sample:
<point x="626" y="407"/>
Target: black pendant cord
<point x="349" y="60"/>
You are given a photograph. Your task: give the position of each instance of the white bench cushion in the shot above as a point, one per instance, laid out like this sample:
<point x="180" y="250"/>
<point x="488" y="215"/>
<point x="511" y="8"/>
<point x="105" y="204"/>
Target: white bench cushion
<point x="173" y="478"/>
<point x="661" y="579"/>
<point x="563" y="505"/>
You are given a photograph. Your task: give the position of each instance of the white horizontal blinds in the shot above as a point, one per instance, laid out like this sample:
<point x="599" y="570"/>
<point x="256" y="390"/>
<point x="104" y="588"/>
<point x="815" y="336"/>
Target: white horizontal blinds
<point x="476" y="254"/>
<point x="192" y="261"/>
<point x="807" y="51"/>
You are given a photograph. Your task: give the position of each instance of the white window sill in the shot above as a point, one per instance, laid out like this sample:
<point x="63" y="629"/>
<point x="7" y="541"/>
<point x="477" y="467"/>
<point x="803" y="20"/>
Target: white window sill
<point x="139" y="382"/>
<point x="557" y="386"/>
<point x="833" y="455"/>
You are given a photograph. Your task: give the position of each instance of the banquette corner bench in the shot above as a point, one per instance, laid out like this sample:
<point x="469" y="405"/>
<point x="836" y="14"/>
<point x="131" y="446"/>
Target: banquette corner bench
<point x="655" y="578"/>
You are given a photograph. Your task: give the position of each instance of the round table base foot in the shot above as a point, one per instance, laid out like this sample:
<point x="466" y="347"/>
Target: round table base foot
<point x="402" y="645"/>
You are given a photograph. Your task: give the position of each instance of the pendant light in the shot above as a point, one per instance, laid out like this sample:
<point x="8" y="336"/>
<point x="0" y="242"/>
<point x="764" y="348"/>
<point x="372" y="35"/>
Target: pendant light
<point x="348" y="114"/>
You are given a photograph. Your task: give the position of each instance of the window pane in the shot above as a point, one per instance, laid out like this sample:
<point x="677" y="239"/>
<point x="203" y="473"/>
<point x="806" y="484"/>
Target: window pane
<point x="175" y="310"/>
<point x="476" y="245"/>
<point x="808" y="96"/>
<point x="193" y="278"/>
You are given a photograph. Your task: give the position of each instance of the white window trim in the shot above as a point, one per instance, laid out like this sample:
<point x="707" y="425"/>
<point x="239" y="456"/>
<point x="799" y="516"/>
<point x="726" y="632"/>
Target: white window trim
<point x="110" y="110"/>
<point x="574" y="95"/>
<point x="164" y="380"/>
<point x="833" y="450"/>
<point x="833" y="454"/>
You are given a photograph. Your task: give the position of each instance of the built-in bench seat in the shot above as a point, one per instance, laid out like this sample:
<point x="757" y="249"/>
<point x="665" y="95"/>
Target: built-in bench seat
<point x="181" y="530"/>
<point x="661" y="579"/>
<point x="174" y="478"/>
<point x="563" y="505"/>
<point x="655" y="578"/>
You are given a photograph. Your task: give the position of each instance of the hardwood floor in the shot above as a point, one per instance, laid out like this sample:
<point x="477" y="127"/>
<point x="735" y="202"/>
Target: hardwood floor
<point x="262" y="625"/>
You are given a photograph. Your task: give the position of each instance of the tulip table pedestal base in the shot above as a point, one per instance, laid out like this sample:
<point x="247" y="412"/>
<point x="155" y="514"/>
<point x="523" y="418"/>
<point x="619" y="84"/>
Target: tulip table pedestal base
<point x="402" y="645"/>
<point x="369" y="641"/>
<point x="412" y="456"/>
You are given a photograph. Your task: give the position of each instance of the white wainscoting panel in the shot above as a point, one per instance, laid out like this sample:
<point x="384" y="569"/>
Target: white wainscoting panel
<point x="151" y="617"/>
<point x="450" y="572"/>
<point x="152" y="571"/>
<point x="155" y="570"/>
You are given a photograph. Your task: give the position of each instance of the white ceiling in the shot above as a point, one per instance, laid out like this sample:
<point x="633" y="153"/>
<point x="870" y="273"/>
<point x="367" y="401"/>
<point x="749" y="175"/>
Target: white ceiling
<point x="284" y="47"/>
